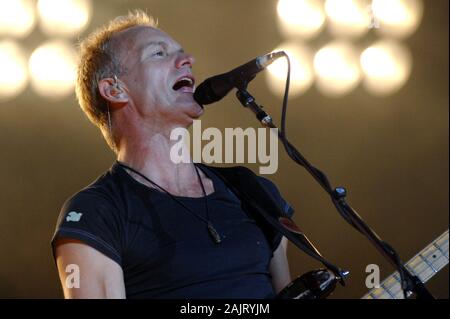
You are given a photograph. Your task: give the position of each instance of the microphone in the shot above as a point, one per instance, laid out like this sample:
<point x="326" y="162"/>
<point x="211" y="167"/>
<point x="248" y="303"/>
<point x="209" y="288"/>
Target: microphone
<point x="217" y="87"/>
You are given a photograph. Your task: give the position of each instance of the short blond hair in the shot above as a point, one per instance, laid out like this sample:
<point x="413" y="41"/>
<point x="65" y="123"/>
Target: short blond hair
<point x="98" y="60"/>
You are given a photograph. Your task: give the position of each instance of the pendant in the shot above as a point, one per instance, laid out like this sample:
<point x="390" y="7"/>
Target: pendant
<point x="214" y="234"/>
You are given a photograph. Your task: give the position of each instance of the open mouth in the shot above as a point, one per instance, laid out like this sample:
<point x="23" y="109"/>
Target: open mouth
<point x="185" y="84"/>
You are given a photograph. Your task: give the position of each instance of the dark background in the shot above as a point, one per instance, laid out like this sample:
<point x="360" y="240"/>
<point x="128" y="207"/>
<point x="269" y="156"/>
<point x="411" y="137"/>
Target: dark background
<point x="390" y="152"/>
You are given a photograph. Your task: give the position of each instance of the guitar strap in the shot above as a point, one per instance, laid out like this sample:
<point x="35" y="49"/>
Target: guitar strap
<point x="260" y="204"/>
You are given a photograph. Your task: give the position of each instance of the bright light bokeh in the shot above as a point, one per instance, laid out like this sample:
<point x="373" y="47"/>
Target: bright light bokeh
<point x="13" y="66"/>
<point x="337" y="69"/>
<point x="300" y="18"/>
<point x="348" y="18"/>
<point x="17" y="17"/>
<point x="302" y="74"/>
<point x="53" y="69"/>
<point x="66" y="18"/>
<point x="397" y="18"/>
<point x="386" y="66"/>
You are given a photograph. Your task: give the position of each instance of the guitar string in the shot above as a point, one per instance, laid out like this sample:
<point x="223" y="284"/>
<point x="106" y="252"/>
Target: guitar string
<point x="397" y="282"/>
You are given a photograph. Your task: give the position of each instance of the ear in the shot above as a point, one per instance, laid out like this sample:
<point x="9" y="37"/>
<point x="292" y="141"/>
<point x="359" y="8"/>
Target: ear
<point x="114" y="93"/>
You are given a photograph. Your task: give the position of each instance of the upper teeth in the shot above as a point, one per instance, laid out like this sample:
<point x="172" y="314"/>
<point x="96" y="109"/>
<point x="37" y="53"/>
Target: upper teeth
<point x="187" y="79"/>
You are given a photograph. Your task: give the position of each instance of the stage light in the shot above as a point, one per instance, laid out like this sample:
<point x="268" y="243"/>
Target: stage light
<point x="300" y="18"/>
<point x="17" y="17"/>
<point x="348" y="18"/>
<point x="13" y="66"/>
<point x="337" y="69"/>
<point x="386" y="66"/>
<point x="53" y="69"/>
<point x="66" y="18"/>
<point x="302" y="74"/>
<point x="397" y="18"/>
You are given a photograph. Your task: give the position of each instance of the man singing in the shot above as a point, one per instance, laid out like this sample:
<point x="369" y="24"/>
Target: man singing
<point x="148" y="227"/>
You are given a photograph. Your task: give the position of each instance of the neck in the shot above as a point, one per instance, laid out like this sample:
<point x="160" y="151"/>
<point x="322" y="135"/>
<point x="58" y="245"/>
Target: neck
<point x="149" y="154"/>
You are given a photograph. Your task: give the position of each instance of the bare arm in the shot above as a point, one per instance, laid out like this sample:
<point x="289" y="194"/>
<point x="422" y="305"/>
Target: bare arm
<point x="279" y="267"/>
<point x="99" y="276"/>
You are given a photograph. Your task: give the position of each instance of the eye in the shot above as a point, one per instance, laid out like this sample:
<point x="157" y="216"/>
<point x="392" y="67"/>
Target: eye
<point x="159" y="53"/>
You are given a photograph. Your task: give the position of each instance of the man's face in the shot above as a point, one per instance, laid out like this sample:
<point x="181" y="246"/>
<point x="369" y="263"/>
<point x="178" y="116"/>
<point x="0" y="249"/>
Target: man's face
<point x="158" y="76"/>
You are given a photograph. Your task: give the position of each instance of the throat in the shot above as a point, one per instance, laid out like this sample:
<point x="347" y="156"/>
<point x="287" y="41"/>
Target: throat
<point x="176" y="186"/>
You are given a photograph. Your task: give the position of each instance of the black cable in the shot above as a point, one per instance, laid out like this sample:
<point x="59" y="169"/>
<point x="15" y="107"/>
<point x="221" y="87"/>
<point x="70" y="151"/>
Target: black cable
<point x="343" y="208"/>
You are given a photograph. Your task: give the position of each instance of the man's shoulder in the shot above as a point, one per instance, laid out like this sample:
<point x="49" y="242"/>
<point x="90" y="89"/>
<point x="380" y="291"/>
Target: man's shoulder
<point x="239" y="174"/>
<point x="101" y="191"/>
<point x="242" y="172"/>
<point x="236" y="170"/>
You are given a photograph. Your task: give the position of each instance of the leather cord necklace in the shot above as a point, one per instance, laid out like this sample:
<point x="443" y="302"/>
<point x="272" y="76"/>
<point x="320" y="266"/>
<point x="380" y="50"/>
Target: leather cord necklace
<point x="212" y="231"/>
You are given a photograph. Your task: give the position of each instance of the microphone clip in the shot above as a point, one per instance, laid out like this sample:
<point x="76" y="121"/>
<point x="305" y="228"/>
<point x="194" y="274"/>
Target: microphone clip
<point x="247" y="100"/>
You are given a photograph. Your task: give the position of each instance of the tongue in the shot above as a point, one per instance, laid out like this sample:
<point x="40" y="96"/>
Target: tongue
<point x="181" y="84"/>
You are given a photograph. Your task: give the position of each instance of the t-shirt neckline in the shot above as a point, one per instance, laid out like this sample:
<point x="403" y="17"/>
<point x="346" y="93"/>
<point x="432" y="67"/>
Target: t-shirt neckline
<point x="121" y="171"/>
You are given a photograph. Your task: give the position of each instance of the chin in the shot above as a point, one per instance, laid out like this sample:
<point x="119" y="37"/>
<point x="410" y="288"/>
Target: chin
<point x="195" y="111"/>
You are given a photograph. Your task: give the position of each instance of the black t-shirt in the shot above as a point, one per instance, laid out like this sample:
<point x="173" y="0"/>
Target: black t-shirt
<point x="165" y="251"/>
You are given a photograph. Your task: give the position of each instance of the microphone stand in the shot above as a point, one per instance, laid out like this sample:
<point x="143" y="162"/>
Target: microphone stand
<point x="410" y="283"/>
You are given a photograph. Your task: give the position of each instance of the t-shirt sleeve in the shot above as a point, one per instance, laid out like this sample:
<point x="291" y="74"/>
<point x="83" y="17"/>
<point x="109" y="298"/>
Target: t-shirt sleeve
<point x="94" y="220"/>
<point x="275" y="238"/>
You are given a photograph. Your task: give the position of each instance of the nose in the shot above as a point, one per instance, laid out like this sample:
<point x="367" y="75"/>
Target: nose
<point x="184" y="59"/>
